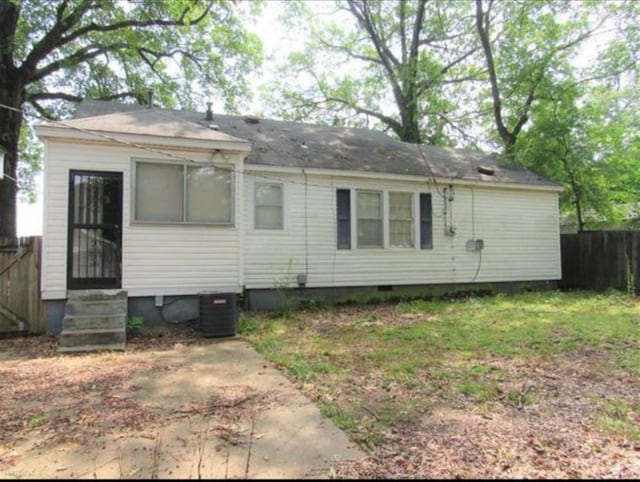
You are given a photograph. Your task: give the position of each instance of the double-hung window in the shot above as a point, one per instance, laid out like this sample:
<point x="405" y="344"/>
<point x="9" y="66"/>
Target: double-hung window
<point x="401" y="232"/>
<point x="405" y="225"/>
<point x="182" y="193"/>
<point x="369" y="217"/>
<point x="268" y="212"/>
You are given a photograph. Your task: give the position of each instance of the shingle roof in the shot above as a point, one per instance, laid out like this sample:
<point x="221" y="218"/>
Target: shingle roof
<point x="150" y="122"/>
<point x="295" y="144"/>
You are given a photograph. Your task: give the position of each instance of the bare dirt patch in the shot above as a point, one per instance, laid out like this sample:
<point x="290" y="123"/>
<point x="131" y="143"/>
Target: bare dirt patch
<point x="554" y="434"/>
<point x="85" y="405"/>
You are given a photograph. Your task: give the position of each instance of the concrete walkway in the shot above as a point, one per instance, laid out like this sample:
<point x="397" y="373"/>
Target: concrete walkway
<point x="272" y="431"/>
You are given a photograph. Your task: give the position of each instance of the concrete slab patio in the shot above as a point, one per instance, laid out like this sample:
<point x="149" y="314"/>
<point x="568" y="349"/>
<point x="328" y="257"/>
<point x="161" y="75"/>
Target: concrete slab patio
<point x="263" y="427"/>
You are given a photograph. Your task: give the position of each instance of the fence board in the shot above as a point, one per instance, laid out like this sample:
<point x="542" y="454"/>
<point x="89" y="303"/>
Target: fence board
<point x="21" y="306"/>
<point x="600" y="260"/>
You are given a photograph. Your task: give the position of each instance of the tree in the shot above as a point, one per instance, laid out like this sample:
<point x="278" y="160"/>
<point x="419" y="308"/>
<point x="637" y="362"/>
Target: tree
<point x="402" y="65"/>
<point x="572" y="121"/>
<point x="53" y="53"/>
<point x="526" y="55"/>
<point x="589" y="142"/>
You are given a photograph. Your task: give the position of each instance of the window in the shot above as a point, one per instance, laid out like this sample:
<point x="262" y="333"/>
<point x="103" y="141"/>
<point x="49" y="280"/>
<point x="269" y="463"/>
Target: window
<point x="268" y="212"/>
<point x="401" y="220"/>
<point x="343" y="221"/>
<point x="426" y="224"/>
<point x="369" y="212"/>
<point x="180" y="193"/>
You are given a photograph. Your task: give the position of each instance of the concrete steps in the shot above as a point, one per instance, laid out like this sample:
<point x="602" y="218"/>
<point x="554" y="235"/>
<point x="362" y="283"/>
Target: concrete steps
<point x="94" y="320"/>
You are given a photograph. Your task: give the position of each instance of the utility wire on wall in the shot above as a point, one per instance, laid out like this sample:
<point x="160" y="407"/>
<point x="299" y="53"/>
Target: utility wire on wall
<point x="163" y="152"/>
<point x="447" y="195"/>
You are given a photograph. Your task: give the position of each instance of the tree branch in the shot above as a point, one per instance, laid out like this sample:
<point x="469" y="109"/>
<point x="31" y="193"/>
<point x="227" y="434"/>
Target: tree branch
<point x="55" y="38"/>
<point x="37" y="96"/>
<point x="41" y="110"/>
<point x="391" y="122"/>
<point x="482" y="28"/>
<point x="52" y="39"/>
<point x="180" y="21"/>
<point x="81" y="55"/>
<point x="342" y="48"/>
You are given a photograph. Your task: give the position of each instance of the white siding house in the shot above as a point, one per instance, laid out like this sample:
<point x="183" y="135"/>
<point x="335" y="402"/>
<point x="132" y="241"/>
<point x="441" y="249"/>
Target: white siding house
<point x="518" y="229"/>
<point x="247" y="205"/>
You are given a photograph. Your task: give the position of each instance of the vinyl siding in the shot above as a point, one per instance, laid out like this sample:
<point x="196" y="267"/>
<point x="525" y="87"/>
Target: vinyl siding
<point x="156" y="259"/>
<point x="519" y="229"/>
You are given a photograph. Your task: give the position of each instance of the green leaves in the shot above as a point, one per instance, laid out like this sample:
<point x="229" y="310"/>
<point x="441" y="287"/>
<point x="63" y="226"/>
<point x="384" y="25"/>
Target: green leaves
<point x="57" y="52"/>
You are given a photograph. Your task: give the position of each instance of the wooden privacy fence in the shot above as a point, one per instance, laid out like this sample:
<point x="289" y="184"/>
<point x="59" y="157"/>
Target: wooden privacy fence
<point x="21" y="308"/>
<point x="599" y="260"/>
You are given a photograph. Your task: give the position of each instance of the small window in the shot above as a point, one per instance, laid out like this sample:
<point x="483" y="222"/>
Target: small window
<point x="343" y="221"/>
<point x="369" y="212"/>
<point x="268" y="212"/>
<point x="401" y="220"/>
<point x="180" y="193"/>
<point x="426" y="223"/>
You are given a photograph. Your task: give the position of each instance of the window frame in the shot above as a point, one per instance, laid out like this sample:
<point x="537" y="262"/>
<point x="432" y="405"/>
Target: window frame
<point x="185" y="165"/>
<point x="254" y="224"/>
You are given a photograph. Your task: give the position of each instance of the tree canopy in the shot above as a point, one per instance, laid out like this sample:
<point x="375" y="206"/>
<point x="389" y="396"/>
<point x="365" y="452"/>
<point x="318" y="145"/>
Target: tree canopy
<point x="545" y="84"/>
<point x="55" y="53"/>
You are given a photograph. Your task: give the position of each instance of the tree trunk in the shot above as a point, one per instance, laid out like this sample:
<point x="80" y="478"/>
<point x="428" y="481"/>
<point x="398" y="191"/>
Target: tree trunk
<point x="410" y="130"/>
<point x="12" y="95"/>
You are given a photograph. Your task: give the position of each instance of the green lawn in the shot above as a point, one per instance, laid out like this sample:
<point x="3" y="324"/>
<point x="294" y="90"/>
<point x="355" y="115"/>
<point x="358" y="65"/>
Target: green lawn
<point x="375" y="369"/>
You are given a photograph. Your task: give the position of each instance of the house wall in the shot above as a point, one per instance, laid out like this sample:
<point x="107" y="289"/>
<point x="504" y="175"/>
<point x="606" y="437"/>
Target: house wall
<point x="519" y="228"/>
<point x="156" y="259"/>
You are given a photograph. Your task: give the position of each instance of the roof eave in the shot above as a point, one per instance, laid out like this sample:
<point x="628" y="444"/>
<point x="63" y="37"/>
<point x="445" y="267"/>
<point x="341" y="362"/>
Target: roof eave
<point x="45" y="131"/>
<point x="252" y="167"/>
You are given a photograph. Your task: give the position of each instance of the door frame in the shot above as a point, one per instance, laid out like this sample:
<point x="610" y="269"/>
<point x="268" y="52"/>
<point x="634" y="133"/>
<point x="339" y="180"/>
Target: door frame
<point x="94" y="283"/>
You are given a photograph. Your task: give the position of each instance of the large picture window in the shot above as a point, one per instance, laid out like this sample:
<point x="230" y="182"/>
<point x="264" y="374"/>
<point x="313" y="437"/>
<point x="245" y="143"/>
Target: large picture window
<point x="401" y="220"/>
<point x="181" y="193"/>
<point x="268" y="206"/>
<point x="369" y="212"/>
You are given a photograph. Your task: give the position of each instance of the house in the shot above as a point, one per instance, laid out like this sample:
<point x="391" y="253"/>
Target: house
<point x="167" y="204"/>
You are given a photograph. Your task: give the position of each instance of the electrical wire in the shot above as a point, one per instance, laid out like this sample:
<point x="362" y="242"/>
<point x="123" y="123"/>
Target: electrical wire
<point x="166" y="153"/>
<point x="442" y="193"/>
<point x="473" y="234"/>
<point x="306" y="232"/>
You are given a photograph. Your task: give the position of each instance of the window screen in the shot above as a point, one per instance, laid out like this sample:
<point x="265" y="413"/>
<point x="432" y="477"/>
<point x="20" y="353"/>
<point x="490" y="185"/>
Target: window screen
<point x="159" y="192"/>
<point x="369" y="209"/>
<point x="178" y="193"/>
<point x="401" y="219"/>
<point x="268" y="212"/>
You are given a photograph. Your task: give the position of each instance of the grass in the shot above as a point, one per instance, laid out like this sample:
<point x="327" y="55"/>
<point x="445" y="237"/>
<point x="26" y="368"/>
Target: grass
<point x="448" y="351"/>
<point x="620" y="417"/>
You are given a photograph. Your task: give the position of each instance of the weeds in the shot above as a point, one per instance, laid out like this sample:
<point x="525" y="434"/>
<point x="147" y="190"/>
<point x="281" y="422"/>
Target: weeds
<point x="460" y="352"/>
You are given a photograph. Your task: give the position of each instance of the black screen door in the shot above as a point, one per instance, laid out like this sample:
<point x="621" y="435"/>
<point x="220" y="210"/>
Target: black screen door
<point x="95" y="233"/>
